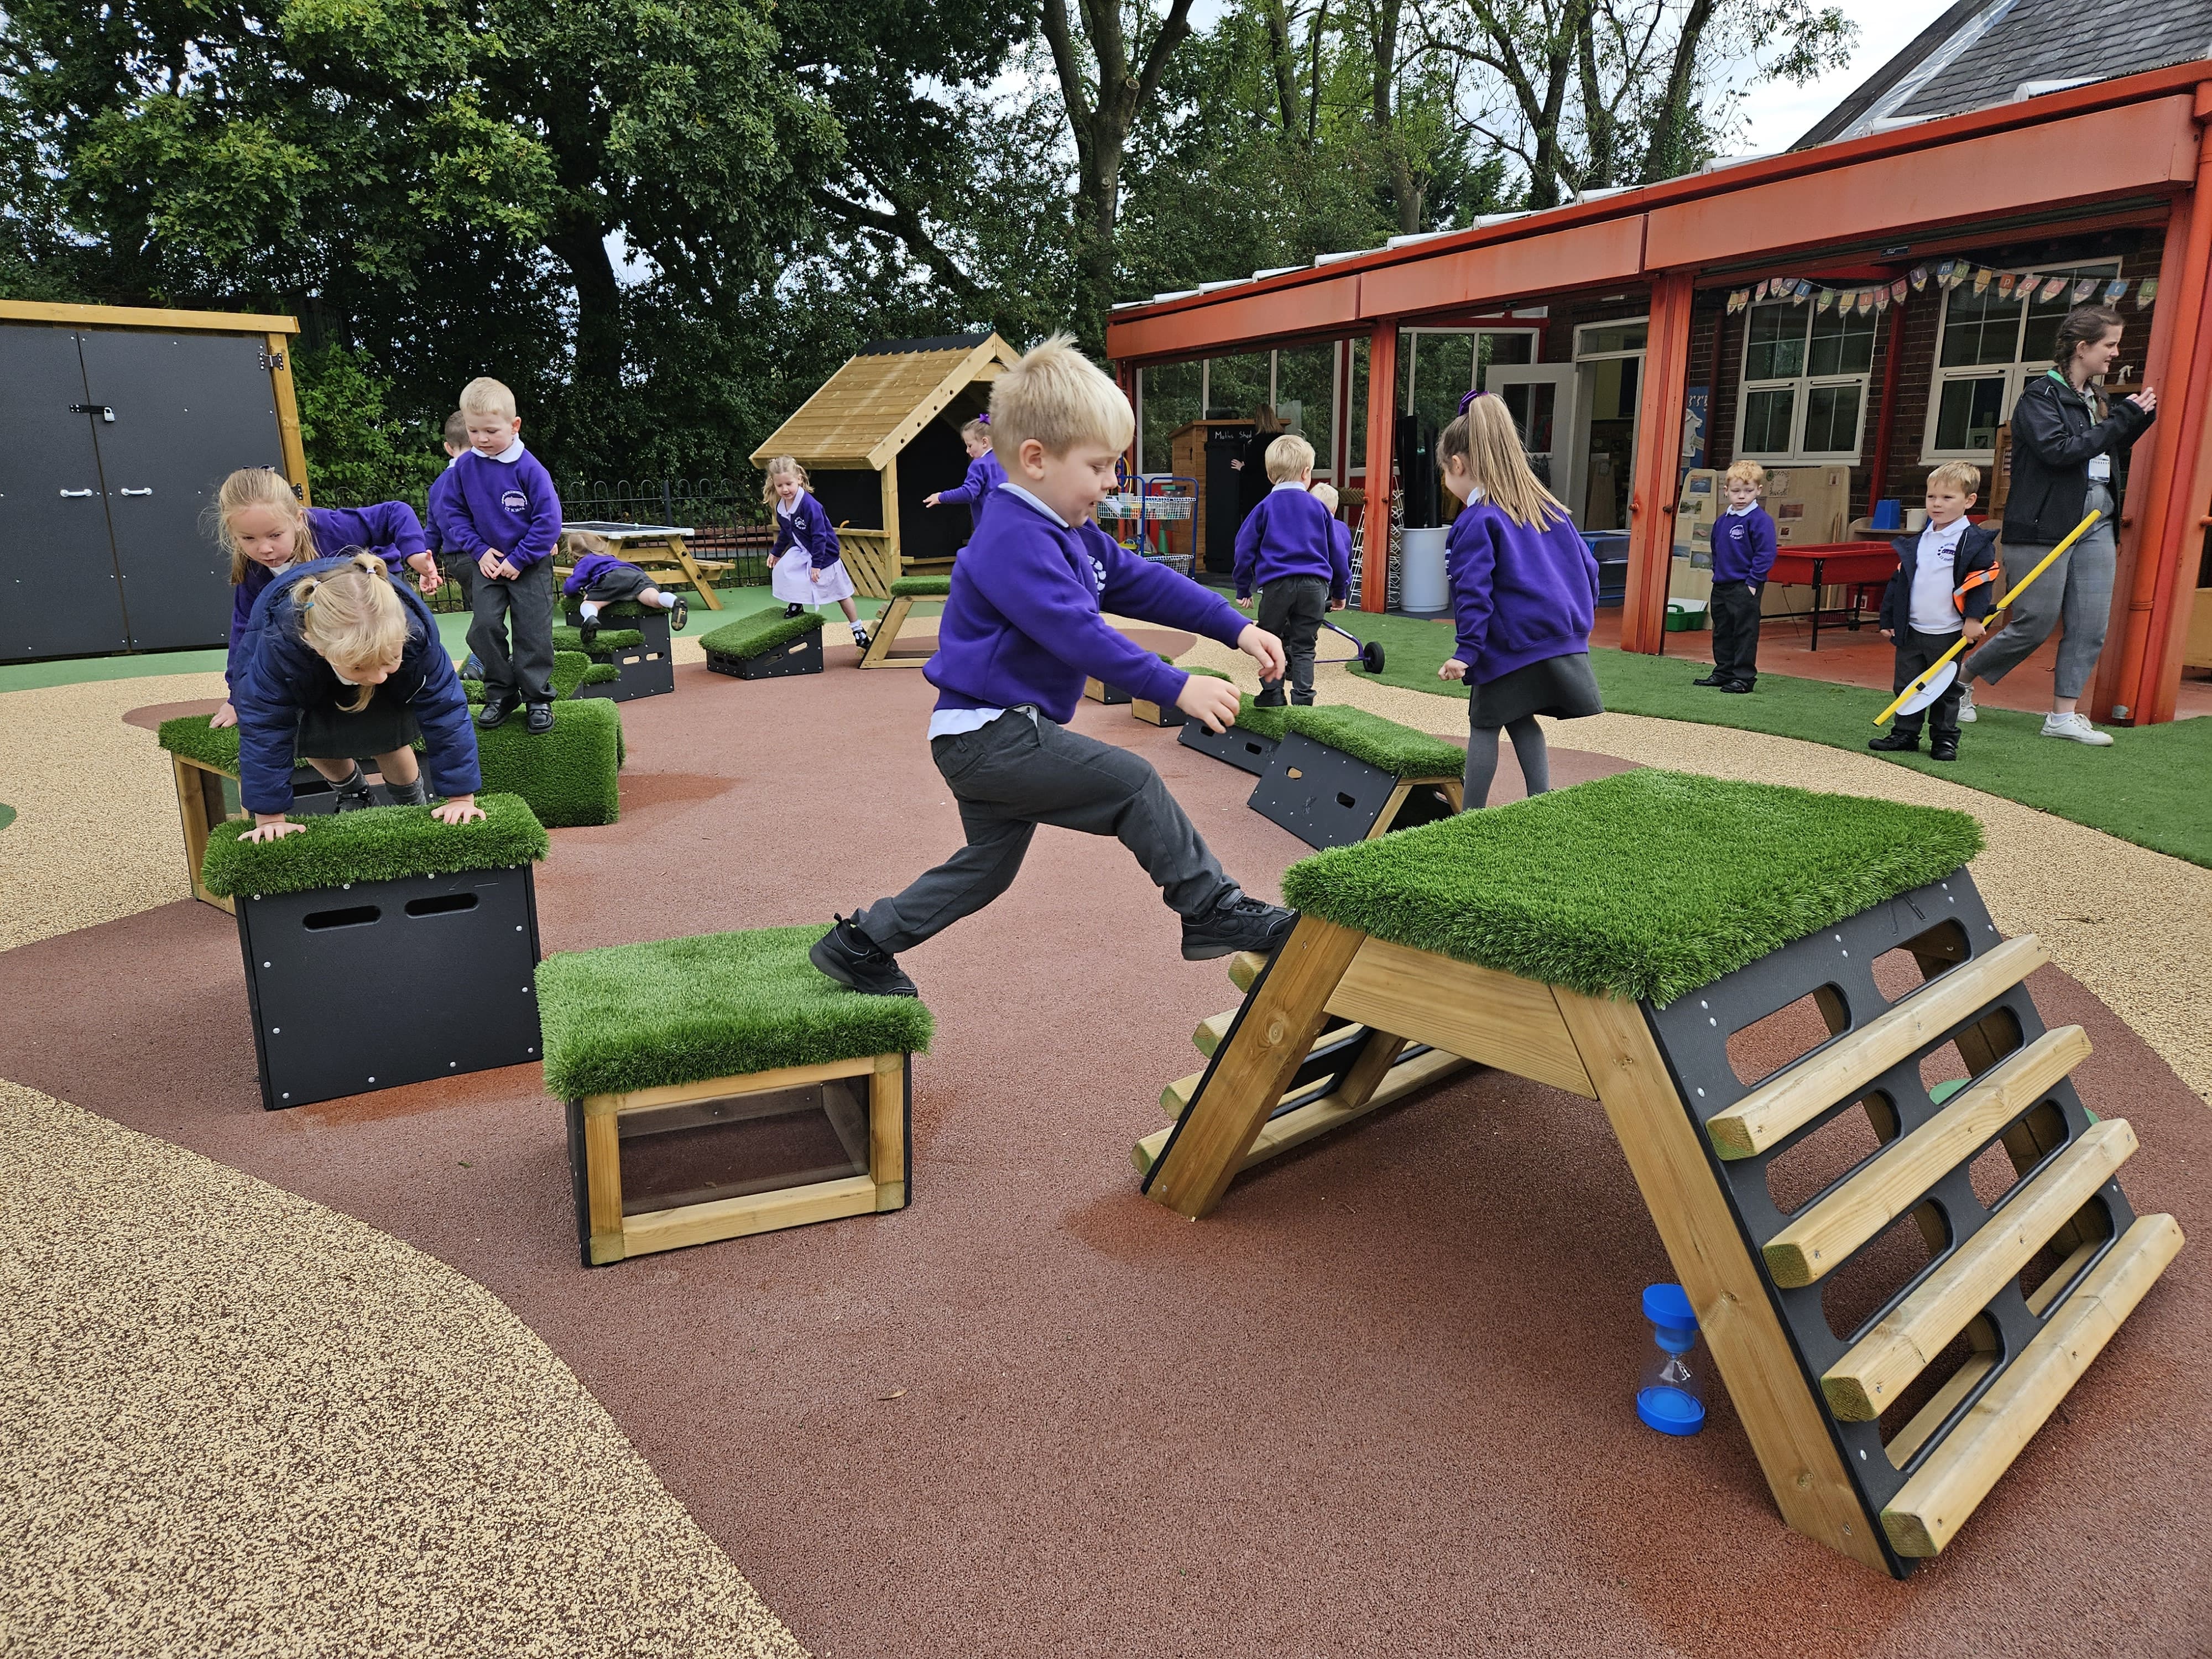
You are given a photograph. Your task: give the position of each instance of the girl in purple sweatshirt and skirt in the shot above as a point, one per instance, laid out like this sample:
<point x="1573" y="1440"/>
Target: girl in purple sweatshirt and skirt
<point x="1524" y="592"/>
<point x="806" y="568"/>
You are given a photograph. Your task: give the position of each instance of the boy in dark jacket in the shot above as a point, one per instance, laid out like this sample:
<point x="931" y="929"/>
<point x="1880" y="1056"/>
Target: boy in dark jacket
<point x="1946" y="581"/>
<point x="1743" y="553"/>
<point x="1021" y="630"/>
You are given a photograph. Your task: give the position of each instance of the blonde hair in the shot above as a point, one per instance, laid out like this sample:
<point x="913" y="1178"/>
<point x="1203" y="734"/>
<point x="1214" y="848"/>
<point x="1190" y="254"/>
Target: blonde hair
<point x="1962" y="476"/>
<point x="485" y="396"/>
<point x="977" y="430"/>
<point x="1750" y="472"/>
<point x="1059" y="397"/>
<point x="778" y="468"/>
<point x="353" y="618"/>
<point x="257" y="486"/>
<point x="1287" y="457"/>
<point x="1486" y="437"/>
<point x="1327" y="495"/>
<point x="576" y="544"/>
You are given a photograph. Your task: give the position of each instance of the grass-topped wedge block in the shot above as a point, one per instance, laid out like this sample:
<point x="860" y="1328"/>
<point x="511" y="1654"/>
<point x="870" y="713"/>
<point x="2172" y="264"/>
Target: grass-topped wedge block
<point x="766" y="645"/>
<point x="570" y="776"/>
<point x="384" y="947"/>
<point x="1758" y="984"/>
<point x="906" y="591"/>
<point x="1342" y="775"/>
<point x="1249" y="745"/>
<point x="720" y="1085"/>
<point x="633" y="639"/>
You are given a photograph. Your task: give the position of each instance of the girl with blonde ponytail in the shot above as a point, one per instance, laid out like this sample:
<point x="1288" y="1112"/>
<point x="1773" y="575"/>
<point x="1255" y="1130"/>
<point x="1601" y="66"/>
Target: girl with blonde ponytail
<point x="1524" y="594"/>
<point x="260" y="523"/>
<point x="342" y="663"/>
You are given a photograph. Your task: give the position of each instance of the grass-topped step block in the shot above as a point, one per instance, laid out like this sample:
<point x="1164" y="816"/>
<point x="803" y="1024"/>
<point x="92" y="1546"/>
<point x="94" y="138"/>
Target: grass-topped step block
<point x="906" y="591"/>
<point x="638" y="651"/>
<point x="1249" y="745"/>
<point x="1341" y="774"/>
<point x="573" y="672"/>
<point x="1712" y="961"/>
<point x="441" y="919"/>
<point x="719" y="1085"/>
<point x="766" y="645"/>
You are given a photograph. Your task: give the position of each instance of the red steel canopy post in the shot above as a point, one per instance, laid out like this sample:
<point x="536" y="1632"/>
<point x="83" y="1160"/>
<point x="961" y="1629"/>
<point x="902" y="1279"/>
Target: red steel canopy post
<point x="1382" y="421"/>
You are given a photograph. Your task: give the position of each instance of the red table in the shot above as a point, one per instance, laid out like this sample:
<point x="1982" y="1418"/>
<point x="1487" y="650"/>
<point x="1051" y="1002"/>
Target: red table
<point x="1854" y="565"/>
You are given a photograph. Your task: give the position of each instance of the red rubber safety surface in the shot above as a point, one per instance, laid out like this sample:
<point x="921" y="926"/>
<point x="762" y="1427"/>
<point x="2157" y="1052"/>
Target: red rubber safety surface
<point x="1380" y="1403"/>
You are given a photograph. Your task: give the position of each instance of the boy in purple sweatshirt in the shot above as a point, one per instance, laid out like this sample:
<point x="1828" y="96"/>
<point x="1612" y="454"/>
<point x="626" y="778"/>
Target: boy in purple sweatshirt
<point x="502" y="511"/>
<point x="1288" y="546"/>
<point x="1021" y="630"/>
<point x="985" y="475"/>
<point x="1743" y="553"/>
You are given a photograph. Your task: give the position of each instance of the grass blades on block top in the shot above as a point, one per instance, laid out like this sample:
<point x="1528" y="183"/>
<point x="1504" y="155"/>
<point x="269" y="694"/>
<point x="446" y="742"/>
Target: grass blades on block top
<point x="1384" y="744"/>
<point x="569" y="775"/>
<point x="920" y="587"/>
<point x="720" y="1005"/>
<point x="1648" y="883"/>
<point x="191" y="736"/>
<point x="610" y="639"/>
<point x="763" y="630"/>
<point x="1269" y="723"/>
<point x="572" y="670"/>
<point x="618" y="610"/>
<point x="382" y="843"/>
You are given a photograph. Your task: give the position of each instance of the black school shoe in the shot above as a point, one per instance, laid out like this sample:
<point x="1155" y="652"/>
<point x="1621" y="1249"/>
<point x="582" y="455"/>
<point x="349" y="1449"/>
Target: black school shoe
<point x="678" y="615"/>
<point x="1714" y="678"/>
<point x="495" y="710"/>
<point x="354" y="794"/>
<point x="589" y="633"/>
<point x="794" y="611"/>
<point x="540" y="719"/>
<point x="857" y="963"/>
<point x="1943" y="748"/>
<point x="1896" y="743"/>
<point x="1738" y="686"/>
<point x="1239" y="922"/>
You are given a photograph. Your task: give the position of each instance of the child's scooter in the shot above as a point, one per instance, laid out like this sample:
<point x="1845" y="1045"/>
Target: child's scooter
<point x="1369" y="656"/>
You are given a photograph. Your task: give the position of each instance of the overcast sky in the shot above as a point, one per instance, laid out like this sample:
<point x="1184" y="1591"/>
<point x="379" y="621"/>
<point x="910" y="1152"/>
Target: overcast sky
<point x="1780" y="113"/>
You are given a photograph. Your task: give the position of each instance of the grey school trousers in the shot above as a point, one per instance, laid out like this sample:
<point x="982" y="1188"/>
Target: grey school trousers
<point x="1292" y="609"/>
<point x="1022" y="770"/>
<point x="527" y="600"/>
<point x="2077" y="589"/>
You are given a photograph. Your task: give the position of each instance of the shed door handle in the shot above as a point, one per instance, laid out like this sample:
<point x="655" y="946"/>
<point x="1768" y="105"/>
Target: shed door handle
<point x="135" y="492"/>
<point x="78" y="492"/>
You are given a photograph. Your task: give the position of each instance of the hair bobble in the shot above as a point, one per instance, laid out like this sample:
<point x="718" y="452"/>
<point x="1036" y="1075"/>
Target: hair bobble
<point x="984" y="419"/>
<point x="1467" y="402"/>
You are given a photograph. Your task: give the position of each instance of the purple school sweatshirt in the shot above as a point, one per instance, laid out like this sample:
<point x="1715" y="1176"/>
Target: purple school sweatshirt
<point x="1022" y="624"/>
<point x="390" y="530"/>
<point x="1520" y="595"/>
<point x="508" y="505"/>
<point x="807" y="526"/>
<point x="1743" y="546"/>
<point x="1291" y="533"/>
<point x="984" y="475"/>
<point x="589" y="569"/>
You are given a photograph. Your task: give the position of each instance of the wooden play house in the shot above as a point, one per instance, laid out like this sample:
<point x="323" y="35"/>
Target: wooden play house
<point x="1881" y="1417"/>
<point x="883" y="432"/>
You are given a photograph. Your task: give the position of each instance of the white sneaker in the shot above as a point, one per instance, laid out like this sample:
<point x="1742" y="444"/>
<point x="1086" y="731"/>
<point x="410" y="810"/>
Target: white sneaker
<point x="2075" y="727"/>
<point x="1966" y="715"/>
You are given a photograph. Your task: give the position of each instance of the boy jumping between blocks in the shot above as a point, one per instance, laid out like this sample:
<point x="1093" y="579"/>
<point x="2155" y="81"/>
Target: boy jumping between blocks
<point x="1021" y="630"/>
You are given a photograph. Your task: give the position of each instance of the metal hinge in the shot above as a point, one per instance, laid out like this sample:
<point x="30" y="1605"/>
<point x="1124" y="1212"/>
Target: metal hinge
<point x="105" y="411"/>
<point x="272" y="360"/>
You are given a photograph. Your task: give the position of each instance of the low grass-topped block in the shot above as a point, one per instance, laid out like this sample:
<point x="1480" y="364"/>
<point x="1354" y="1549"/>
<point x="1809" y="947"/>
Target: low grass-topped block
<point x="634" y="640"/>
<point x="1342" y="775"/>
<point x="766" y="645"/>
<point x="906" y="591"/>
<point x="1249" y="745"/>
<point x="570" y="776"/>
<point x="383" y="947"/>
<point x="720" y="1085"/>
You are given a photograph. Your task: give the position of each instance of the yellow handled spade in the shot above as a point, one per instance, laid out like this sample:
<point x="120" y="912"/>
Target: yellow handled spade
<point x="1936" y="679"/>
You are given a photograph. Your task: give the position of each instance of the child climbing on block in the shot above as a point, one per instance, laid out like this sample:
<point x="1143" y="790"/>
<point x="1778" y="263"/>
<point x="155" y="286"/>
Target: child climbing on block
<point x="805" y="566"/>
<point x="984" y="474"/>
<point x="1524" y="594"/>
<point x="1288" y="546"/>
<point x="600" y="580"/>
<point x="339" y="661"/>
<point x="1945" y="580"/>
<point x="260" y="522"/>
<point x="503" y="512"/>
<point x="1743" y="554"/>
<point x="1022" y="631"/>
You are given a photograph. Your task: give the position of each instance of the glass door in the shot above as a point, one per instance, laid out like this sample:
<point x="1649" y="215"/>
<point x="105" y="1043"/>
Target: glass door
<point x="1542" y="398"/>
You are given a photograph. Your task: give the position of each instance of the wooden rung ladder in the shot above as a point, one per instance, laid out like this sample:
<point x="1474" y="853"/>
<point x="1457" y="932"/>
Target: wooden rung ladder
<point x="1866" y="1445"/>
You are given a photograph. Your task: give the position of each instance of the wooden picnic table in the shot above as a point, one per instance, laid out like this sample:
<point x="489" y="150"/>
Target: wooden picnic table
<point x="662" y="547"/>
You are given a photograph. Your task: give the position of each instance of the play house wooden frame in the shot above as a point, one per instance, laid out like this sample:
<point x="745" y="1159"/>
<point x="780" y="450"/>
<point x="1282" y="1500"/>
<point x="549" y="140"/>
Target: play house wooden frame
<point x="896" y="399"/>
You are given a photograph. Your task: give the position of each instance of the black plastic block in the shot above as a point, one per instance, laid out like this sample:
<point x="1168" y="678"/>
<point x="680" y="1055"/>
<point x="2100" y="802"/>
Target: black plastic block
<point x="1327" y="799"/>
<point x="1248" y="751"/>
<point x="800" y="656"/>
<point x="647" y="668"/>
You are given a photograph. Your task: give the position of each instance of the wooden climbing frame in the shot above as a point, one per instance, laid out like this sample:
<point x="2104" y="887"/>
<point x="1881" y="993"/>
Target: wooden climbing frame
<point x="1339" y="1022"/>
<point x="885" y="634"/>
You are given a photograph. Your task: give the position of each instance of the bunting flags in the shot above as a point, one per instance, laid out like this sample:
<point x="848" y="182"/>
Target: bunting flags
<point x="2039" y="288"/>
<point x="2147" y="295"/>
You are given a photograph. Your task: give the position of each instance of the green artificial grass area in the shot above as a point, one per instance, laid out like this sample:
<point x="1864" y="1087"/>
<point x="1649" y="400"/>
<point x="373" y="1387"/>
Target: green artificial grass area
<point x="1269" y="723"/>
<point x="191" y="736"/>
<point x="1647" y="884"/>
<point x="610" y="639"/>
<point x="720" y="1005"/>
<point x="569" y="775"/>
<point x="572" y="671"/>
<point x="762" y="631"/>
<point x="620" y="611"/>
<point x="2147" y="788"/>
<point x="1384" y="744"/>
<point x="920" y="587"/>
<point x="381" y="843"/>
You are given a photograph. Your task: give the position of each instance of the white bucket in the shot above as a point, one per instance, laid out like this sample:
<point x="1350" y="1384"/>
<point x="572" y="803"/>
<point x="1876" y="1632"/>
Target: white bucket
<point x="1422" y="588"/>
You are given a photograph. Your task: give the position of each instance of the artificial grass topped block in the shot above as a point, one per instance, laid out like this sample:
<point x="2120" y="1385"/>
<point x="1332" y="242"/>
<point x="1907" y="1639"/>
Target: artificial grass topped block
<point x="1645" y="884"/>
<point x="763" y="630"/>
<point x="1384" y="744"/>
<point x="380" y="843"/>
<point x="191" y="736"/>
<point x="679" y="1011"/>
<point x="920" y="587"/>
<point x="621" y="610"/>
<point x="1262" y="722"/>
<point x="608" y="639"/>
<point x="568" y="775"/>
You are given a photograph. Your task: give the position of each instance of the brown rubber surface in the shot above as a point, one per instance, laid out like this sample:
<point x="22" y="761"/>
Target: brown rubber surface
<point x="1379" y="1404"/>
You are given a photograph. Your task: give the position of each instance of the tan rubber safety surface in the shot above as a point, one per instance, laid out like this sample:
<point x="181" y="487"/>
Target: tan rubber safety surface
<point x="1381" y="1403"/>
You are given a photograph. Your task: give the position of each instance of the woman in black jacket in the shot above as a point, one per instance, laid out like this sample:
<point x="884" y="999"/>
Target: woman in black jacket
<point x="2068" y="454"/>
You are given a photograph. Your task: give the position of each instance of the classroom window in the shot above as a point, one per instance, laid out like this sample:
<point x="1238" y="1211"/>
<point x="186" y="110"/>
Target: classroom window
<point x="1804" y="382"/>
<point x="1991" y="345"/>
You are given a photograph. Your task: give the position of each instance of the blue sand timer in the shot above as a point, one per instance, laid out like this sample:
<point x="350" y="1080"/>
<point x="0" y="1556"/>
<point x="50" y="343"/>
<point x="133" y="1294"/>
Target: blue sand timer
<point x="1671" y="1399"/>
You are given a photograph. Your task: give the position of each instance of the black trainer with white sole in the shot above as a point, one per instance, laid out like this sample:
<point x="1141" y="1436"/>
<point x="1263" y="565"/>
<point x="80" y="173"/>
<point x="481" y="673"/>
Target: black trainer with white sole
<point x="857" y="963"/>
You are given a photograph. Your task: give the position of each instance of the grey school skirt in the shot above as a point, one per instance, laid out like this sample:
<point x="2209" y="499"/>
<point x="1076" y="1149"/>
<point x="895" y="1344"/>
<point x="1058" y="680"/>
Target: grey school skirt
<point x="609" y="587"/>
<point x="328" y="732"/>
<point x="1562" y="687"/>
